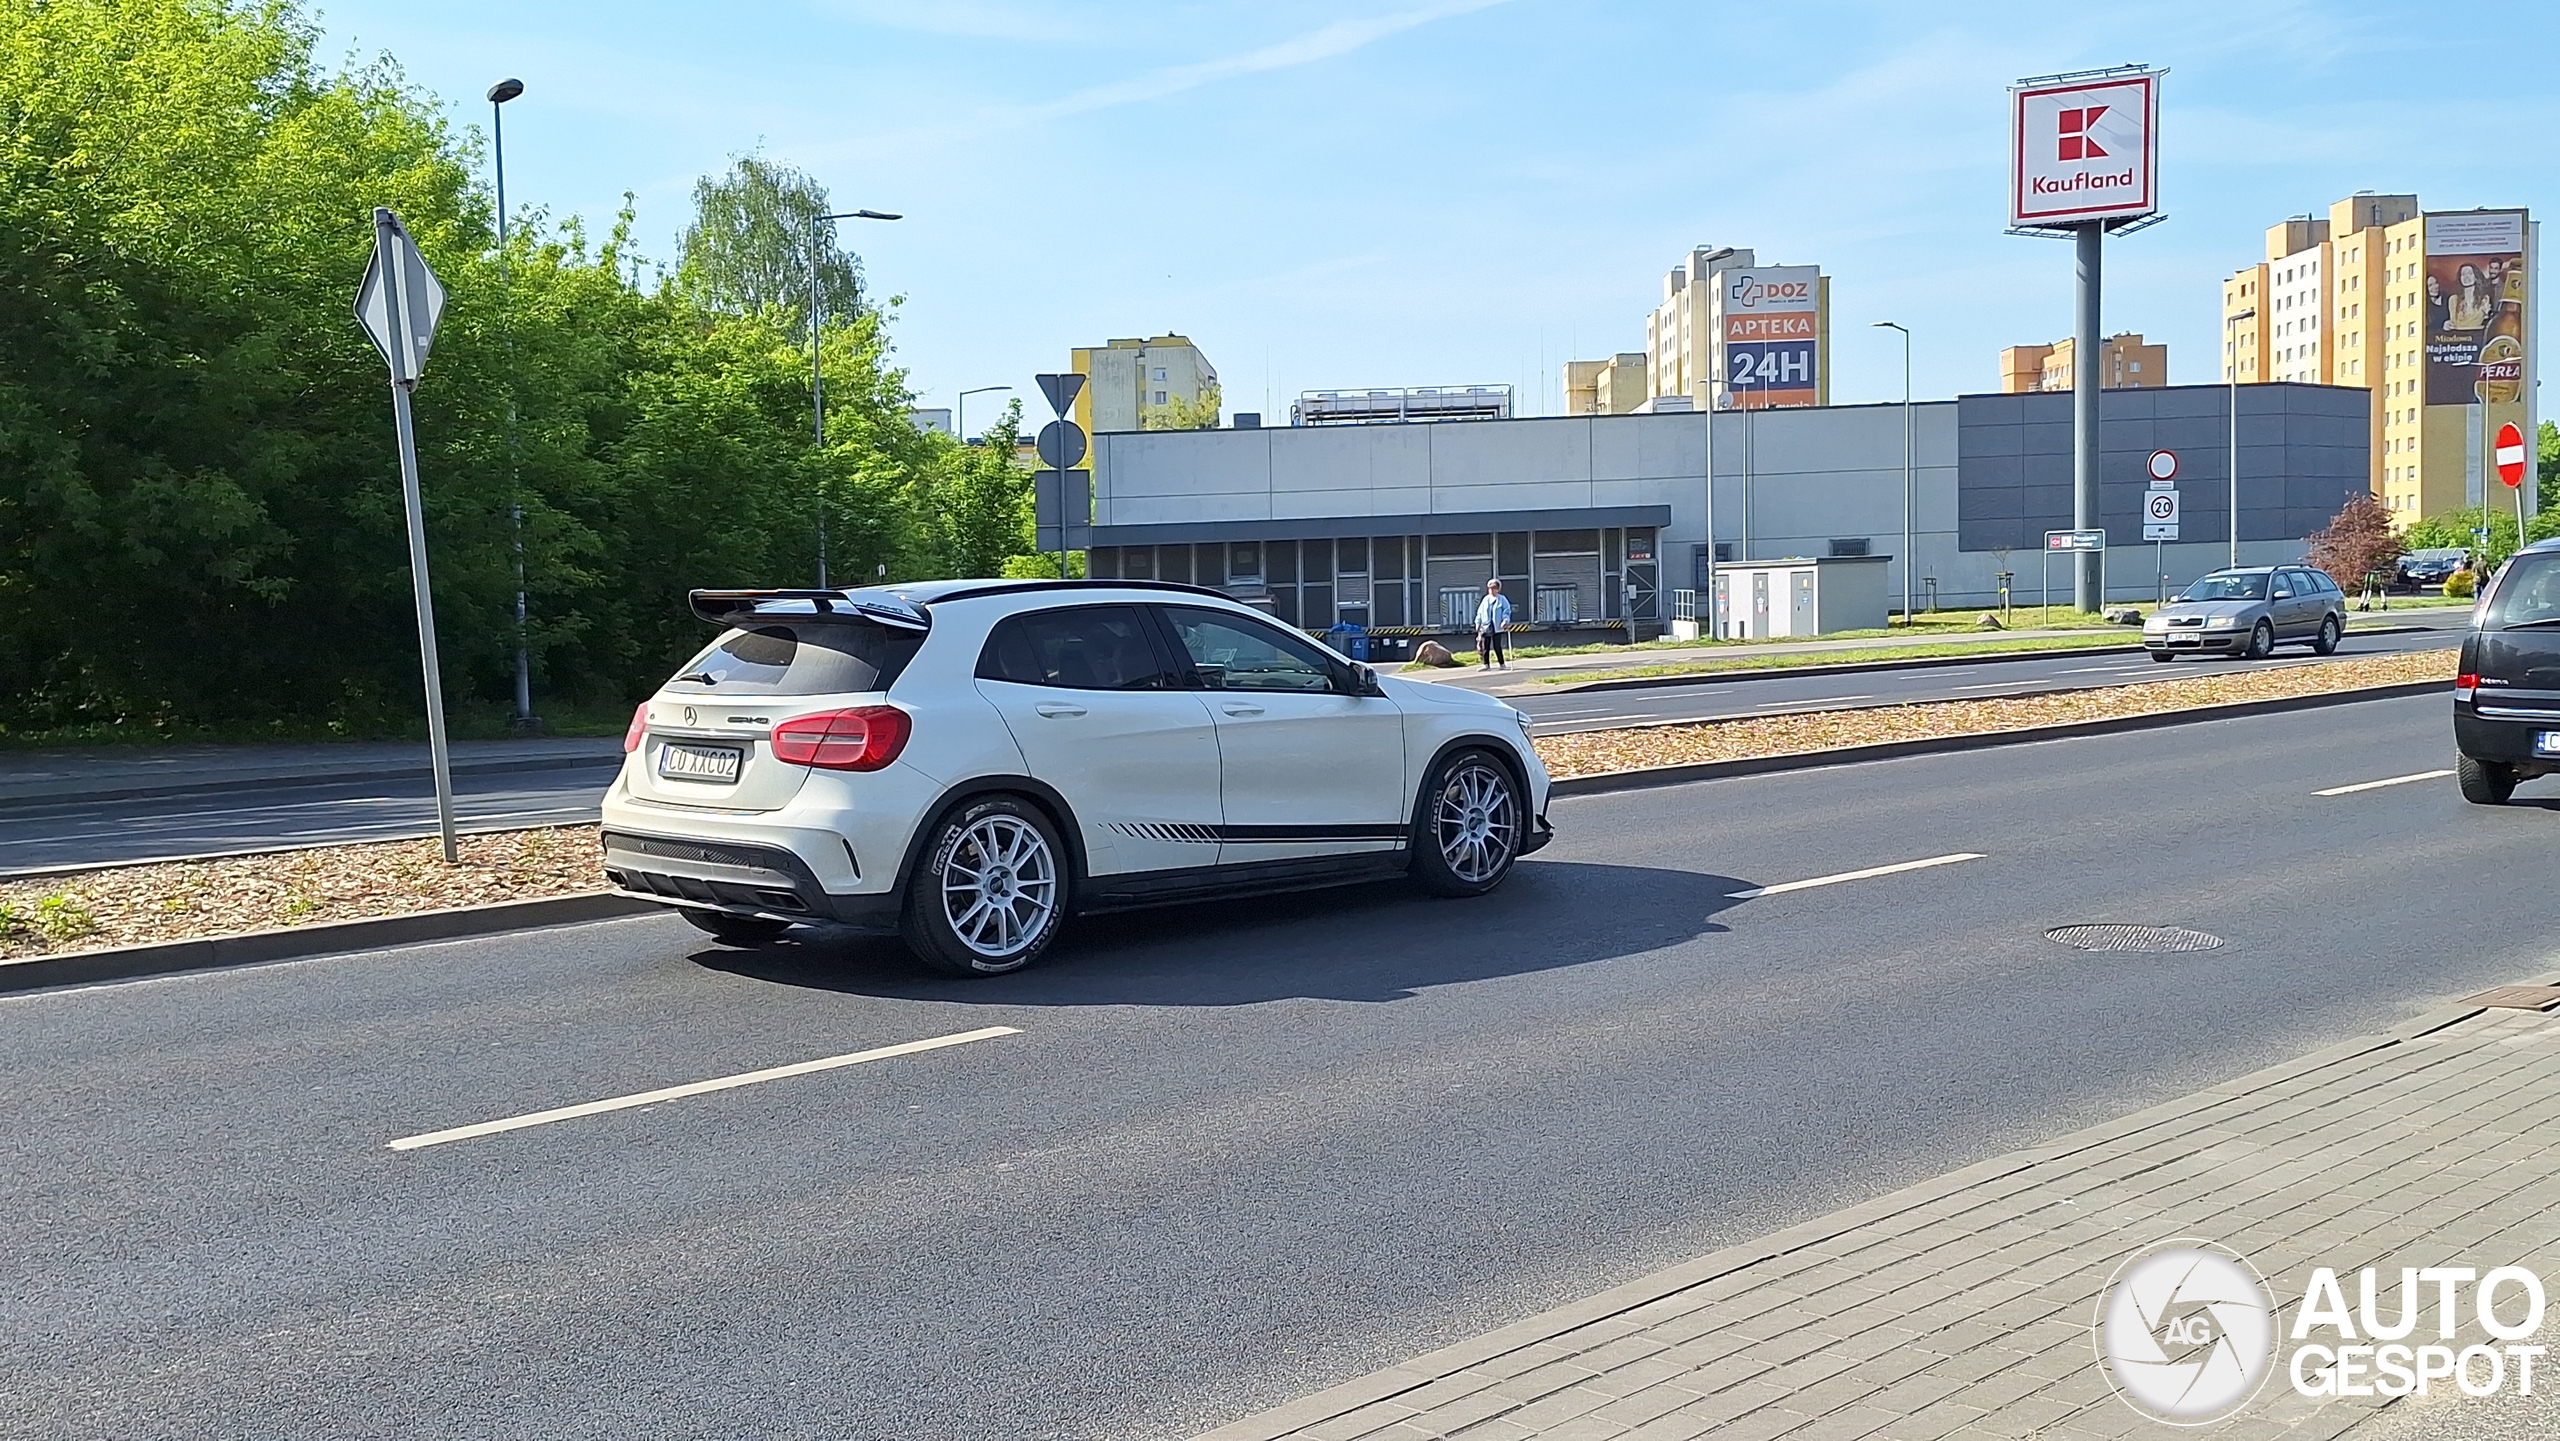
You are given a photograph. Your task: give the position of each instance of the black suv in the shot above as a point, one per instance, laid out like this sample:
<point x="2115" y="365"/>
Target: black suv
<point x="2506" y="699"/>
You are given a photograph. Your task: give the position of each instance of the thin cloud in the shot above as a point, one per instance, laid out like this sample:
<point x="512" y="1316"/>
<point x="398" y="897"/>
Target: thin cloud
<point x="1325" y="43"/>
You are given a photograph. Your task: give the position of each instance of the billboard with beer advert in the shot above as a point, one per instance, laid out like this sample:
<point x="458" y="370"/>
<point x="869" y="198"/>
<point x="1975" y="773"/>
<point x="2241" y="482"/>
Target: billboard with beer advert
<point x="2475" y="298"/>
<point x="1768" y="335"/>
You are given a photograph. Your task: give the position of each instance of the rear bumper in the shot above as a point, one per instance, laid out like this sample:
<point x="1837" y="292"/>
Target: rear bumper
<point x="1539" y="835"/>
<point x="2503" y="742"/>
<point x="742" y="878"/>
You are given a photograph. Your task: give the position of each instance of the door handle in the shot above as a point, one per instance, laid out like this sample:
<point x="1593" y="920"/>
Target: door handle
<point x="1240" y="708"/>
<point x="1057" y="709"/>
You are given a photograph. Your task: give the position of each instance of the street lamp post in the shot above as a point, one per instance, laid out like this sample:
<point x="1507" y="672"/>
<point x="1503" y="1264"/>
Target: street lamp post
<point x="2231" y="358"/>
<point x="499" y="94"/>
<point x="964" y="407"/>
<point x="817" y="373"/>
<point x="1906" y="465"/>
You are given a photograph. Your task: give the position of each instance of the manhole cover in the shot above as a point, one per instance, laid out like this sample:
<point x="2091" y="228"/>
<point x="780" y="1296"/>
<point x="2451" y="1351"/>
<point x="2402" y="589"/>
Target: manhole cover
<point x="2133" y="938"/>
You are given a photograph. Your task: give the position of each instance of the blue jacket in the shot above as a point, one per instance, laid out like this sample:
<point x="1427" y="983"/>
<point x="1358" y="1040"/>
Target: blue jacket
<point x="1493" y="613"/>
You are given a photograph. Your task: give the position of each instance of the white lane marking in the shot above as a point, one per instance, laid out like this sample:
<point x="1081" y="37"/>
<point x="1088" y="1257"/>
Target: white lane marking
<point x="697" y="1088"/>
<point x="1817" y="700"/>
<point x="1995" y="685"/>
<point x="2377" y="785"/>
<point x="1868" y="873"/>
<point x="1604" y="719"/>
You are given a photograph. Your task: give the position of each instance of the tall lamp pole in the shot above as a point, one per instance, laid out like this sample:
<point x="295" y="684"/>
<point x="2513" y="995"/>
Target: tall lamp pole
<point x="964" y="407"/>
<point x="1906" y="465"/>
<point x="817" y="374"/>
<point x="2231" y="354"/>
<point x="499" y="94"/>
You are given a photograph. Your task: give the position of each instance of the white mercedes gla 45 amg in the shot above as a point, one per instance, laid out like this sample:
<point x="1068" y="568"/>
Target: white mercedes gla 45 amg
<point x="969" y="763"/>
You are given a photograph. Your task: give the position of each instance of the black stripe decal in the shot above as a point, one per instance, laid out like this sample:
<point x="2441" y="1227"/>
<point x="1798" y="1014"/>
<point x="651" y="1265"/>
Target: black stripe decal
<point x="1180" y="832"/>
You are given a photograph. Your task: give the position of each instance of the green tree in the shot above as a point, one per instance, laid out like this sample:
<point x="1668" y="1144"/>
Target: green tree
<point x="2546" y="469"/>
<point x="981" y="508"/>
<point x="749" y="247"/>
<point x="200" y="520"/>
<point x="1179" y="414"/>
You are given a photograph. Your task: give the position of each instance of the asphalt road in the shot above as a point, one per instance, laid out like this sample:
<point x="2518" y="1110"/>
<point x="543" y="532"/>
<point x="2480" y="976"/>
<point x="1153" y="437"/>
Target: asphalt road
<point x="76" y="833"/>
<point x="1228" y="1154"/>
<point x="1730" y="699"/>
<point x="72" y="833"/>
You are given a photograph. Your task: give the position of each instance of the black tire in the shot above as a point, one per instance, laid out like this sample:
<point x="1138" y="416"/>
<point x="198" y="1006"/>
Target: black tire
<point x="2485" y="783"/>
<point x="737" y="930"/>
<point x="1468" y="825"/>
<point x="2262" y="641"/>
<point x="990" y="891"/>
<point x="2326" y="642"/>
<point x="2163" y="656"/>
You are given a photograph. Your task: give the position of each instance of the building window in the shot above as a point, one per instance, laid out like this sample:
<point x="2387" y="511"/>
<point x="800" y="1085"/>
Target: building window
<point x="1160" y="372"/>
<point x="1159" y="397"/>
<point x="1857" y="546"/>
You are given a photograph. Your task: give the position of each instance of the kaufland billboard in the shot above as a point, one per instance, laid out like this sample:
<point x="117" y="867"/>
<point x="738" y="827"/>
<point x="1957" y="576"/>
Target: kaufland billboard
<point x="2084" y="148"/>
<point x="1768" y="322"/>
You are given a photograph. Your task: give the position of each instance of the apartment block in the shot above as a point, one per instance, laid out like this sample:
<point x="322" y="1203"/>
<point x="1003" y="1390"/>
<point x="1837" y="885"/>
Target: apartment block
<point x="1616" y="386"/>
<point x="1128" y="380"/>
<point x="2125" y="362"/>
<point x="2430" y="312"/>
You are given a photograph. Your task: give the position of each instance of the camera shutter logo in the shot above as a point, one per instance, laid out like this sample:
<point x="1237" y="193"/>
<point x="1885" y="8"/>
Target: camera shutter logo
<point x="2186" y="1332"/>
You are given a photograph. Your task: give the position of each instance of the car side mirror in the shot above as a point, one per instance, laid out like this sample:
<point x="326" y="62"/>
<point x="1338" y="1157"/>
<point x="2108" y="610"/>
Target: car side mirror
<point x="1364" y="681"/>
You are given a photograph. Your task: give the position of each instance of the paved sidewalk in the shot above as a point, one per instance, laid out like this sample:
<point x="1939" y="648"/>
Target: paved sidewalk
<point x="1963" y="1306"/>
<point x="126" y="772"/>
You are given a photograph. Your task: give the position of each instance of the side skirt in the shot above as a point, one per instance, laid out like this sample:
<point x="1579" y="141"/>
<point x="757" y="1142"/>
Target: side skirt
<point x="1197" y="883"/>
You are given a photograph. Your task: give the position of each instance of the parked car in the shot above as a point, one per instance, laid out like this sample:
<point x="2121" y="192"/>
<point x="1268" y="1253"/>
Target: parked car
<point x="2249" y="611"/>
<point x="2426" y="568"/>
<point x="968" y="763"/>
<point x="2506" y="691"/>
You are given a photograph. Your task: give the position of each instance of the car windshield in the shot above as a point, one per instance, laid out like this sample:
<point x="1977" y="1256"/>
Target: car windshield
<point x="2227" y="587"/>
<point x="2527" y="593"/>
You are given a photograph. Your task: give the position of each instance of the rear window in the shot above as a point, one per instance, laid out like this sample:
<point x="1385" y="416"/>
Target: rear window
<point x="829" y="658"/>
<point x="2527" y="593"/>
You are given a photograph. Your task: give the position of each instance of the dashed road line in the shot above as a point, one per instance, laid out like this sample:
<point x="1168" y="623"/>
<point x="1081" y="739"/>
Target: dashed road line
<point x="1868" y="874"/>
<point x="695" y="1088"/>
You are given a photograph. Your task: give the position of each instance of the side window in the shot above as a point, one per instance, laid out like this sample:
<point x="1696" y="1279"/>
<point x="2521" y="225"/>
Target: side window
<point x="1090" y="647"/>
<point x="2284" y="585"/>
<point x="1232" y="653"/>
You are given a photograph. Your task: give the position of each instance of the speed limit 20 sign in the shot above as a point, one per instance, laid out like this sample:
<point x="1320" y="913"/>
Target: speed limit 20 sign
<point x="2160" y="514"/>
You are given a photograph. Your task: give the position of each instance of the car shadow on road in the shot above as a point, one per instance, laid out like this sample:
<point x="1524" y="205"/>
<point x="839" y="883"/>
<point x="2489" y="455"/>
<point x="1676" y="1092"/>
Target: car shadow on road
<point x="1380" y="942"/>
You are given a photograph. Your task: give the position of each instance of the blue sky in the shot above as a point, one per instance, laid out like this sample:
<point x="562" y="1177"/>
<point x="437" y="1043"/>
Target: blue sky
<point x="1326" y="193"/>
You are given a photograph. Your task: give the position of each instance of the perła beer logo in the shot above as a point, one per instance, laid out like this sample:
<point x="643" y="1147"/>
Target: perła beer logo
<point x="2186" y="1332"/>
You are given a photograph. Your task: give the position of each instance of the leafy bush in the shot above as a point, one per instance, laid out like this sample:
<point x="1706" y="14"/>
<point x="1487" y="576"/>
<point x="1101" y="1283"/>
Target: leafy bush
<point x="2460" y="585"/>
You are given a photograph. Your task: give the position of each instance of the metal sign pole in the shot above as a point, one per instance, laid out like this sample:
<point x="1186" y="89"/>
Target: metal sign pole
<point x="438" y="755"/>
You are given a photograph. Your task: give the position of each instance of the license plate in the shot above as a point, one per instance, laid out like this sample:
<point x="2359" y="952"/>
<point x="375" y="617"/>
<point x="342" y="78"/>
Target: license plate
<point x="2546" y="743"/>
<point x="698" y="763"/>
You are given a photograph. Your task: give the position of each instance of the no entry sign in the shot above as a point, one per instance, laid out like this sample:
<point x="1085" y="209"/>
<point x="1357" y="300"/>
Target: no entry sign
<point x="2510" y="454"/>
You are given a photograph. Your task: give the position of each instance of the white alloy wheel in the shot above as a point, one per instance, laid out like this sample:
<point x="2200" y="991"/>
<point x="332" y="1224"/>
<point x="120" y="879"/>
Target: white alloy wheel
<point x="1000" y="887"/>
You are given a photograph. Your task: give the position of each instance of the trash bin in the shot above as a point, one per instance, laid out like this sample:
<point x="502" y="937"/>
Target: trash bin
<point x="1350" y="640"/>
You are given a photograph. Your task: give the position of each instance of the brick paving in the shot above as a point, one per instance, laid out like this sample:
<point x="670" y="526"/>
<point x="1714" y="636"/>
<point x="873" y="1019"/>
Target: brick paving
<point x="1963" y="1306"/>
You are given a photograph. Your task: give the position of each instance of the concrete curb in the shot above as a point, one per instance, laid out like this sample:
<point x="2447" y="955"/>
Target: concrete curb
<point x="294" y="779"/>
<point x="1867" y="666"/>
<point x="1351" y="1395"/>
<point x="1653" y="776"/>
<point x="293" y="943"/>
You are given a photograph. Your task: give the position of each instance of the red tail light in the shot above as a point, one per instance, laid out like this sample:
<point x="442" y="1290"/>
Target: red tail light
<point x="2465" y="686"/>
<point x="639" y="728"/>
<point x="864" y="738"/>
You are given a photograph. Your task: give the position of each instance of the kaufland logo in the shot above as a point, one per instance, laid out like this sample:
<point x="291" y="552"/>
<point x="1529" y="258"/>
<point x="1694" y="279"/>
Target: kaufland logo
<point x="2075" y="142"/>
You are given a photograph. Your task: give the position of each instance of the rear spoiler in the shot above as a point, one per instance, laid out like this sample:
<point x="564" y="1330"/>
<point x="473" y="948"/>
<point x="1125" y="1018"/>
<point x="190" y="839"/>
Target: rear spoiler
<point x="746" y="608"/>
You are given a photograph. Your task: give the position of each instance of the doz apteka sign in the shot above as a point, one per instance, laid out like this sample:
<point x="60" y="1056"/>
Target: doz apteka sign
<point x="2084" y="147"/>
